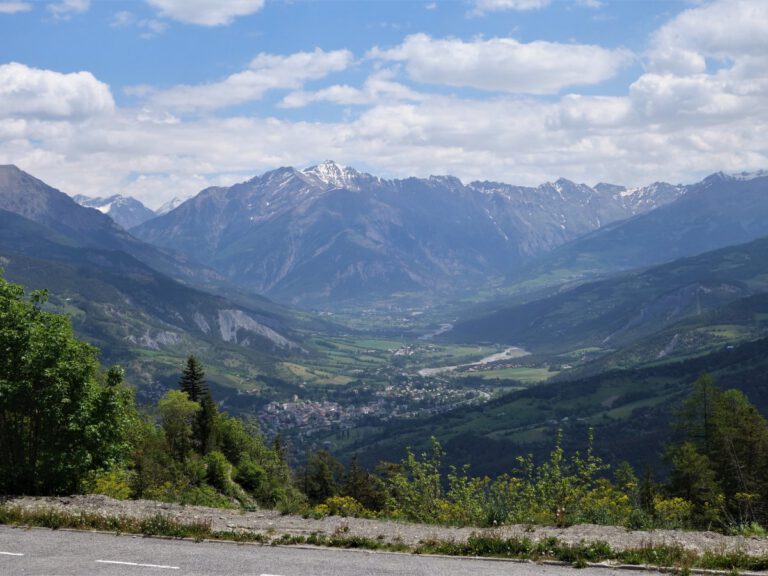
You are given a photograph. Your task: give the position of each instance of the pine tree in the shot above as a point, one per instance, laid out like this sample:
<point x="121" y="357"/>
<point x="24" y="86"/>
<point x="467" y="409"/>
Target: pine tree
<point x="193" y="383"/>
<point x="193" y="380"/>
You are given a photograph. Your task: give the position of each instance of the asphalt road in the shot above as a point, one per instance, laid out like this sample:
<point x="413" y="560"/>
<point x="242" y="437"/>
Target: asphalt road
<point x="42" y="552"/>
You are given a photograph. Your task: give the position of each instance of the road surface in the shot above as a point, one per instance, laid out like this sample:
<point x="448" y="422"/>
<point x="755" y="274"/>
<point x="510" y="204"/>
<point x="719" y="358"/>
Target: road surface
<point x="42" y="552"/>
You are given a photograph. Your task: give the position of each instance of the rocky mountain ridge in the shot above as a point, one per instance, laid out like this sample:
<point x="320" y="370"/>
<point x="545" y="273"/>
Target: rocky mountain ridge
<point x="330" y="233"/>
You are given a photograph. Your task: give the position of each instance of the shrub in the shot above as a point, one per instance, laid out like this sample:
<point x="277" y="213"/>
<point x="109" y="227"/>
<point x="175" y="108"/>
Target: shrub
<point x="114" y="483"/>
<point x="218" y="472"/>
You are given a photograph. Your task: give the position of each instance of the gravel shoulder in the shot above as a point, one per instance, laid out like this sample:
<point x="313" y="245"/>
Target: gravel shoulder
<point x="272" y="523"/>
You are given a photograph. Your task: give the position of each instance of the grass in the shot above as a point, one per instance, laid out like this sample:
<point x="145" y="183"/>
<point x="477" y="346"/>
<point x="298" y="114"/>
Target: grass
<point x="487" y="545"/>
<point x="523" y="374"/>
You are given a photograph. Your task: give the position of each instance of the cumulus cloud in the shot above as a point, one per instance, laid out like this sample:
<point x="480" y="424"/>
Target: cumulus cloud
<point x="504" y="64"/>
<point x="26" y="91"/>
<point x="706" y="66"/>
<point x="723" y="30"/>
<point x="14" y="7"/>
<point x="206" y="12"/>
<point x="266" y="72"/>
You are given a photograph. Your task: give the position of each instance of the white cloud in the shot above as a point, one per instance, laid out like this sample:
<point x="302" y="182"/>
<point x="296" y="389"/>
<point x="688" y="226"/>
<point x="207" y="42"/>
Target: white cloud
<point x="504" y="64"/>
<point x="32" y="92"/>
<point x="150" y="27"/>
<point x="206" y="12"/>
<point x="723" y="30"/>
<point x="707" y="66"/>
<point x="378" y="88"/>
<point x="14" y="7"/>
<point x="483" y="6"/>
<point x="593" y="112"/>
<point x="65" y="8"/>
<point x="266" y="72"/>
<point x="668" y="98"/>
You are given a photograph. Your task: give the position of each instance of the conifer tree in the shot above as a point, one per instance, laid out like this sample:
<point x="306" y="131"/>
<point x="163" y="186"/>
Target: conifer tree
<point x="193" y="383"/>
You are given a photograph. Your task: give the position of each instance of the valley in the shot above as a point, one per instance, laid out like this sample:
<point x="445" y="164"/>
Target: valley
<point x="360" y="370"/>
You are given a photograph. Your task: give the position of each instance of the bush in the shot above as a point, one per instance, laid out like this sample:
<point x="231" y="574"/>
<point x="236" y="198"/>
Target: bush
<point x="218" y="472"/>
<point x="251" y="476"/>
<point x="342" y="506"/>
<point x="114" y="483"/>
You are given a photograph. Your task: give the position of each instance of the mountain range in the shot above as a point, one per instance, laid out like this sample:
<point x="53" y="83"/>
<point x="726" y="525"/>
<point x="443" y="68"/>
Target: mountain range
<point x="721" y="210"/>
<point x="331" y="234"/>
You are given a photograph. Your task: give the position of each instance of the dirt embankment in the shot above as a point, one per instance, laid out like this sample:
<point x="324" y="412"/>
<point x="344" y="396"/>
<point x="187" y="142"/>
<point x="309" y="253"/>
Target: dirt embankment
<point x="273" y="524"/>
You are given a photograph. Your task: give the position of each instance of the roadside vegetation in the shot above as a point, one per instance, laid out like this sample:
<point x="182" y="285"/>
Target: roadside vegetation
<point x="68" y="426"/>
<point x="479" y="544"/>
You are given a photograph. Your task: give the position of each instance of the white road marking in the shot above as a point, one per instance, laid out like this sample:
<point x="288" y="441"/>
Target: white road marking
<point x="10" y="554"/>
<point x="137" y="564"/>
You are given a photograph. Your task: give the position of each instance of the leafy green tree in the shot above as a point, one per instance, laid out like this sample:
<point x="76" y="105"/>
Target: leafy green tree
<point x="60" y="418"/>
<point x="151" y="461"/>
<point x="177" y="415"/>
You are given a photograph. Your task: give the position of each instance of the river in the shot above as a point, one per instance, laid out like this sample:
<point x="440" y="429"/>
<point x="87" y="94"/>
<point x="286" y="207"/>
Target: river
<point x="508" y="354"/>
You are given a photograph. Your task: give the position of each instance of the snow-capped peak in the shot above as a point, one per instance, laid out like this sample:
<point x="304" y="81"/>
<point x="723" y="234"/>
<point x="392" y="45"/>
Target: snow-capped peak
<point x="334" y="174"/>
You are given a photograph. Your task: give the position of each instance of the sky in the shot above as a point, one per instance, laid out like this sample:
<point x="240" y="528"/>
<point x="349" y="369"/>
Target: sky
<point x="161" y="98"/>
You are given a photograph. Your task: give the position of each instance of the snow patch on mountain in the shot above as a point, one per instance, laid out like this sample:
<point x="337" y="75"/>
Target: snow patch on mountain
<point x="334" y="175"/>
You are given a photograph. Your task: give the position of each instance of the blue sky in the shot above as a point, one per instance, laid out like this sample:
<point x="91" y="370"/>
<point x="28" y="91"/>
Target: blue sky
<point x="161" y="98"/>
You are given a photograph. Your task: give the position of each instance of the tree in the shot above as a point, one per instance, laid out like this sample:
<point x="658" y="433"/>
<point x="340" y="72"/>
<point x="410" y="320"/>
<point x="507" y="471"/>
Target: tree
<point x="193" y="383"/>
<point x="724" y="428"/>
<point x="693" y="479"/>
<point x="60" y="416"/>
<point x="322" y="476"/>
<point x="364" y="486"/>
<point x="177" y="415"/>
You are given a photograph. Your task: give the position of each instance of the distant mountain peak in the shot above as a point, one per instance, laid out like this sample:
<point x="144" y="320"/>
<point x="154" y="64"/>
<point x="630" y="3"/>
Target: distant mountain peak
<point x="333" y="174"/>
<point x="125" y="210"/>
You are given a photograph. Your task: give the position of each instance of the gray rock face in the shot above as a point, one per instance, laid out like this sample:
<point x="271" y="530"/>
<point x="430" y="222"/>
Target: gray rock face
<point x="236" y="325"/>
<point x="330" y="233"/>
